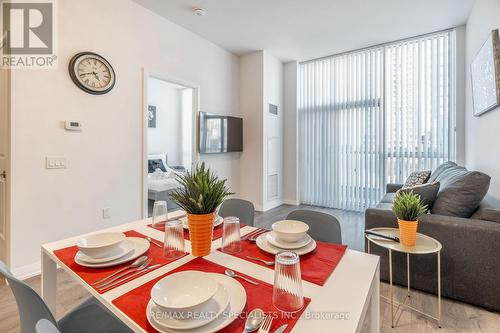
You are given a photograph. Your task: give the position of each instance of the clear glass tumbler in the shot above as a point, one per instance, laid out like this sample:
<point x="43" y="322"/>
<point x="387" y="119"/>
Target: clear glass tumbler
<point x="231" y="241"/>
<point x="287" y="289"/>
<point x="173" y="247"/>
<point x="160" y="214"/>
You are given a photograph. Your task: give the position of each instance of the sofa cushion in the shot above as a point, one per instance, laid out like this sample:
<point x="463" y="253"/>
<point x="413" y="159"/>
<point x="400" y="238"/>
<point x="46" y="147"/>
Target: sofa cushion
<point x="486" y="214"/>
<point x="385" y="205"/>
<point x="388" y="198"/>
<point x="461" y="192"/>
<point x="427" y="192"/>
<point x="417" y="178"/>
<point x="435" y="174"/>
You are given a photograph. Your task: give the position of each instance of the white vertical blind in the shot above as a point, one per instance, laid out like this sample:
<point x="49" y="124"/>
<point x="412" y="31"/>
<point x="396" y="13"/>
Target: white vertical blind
<point x="372" y="116"/>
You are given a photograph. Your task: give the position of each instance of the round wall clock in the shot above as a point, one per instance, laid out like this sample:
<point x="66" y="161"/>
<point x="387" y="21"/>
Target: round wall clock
<point x="92" y="73"/>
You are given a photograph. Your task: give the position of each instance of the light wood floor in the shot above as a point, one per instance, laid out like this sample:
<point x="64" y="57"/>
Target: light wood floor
<point x="457" y="317"/>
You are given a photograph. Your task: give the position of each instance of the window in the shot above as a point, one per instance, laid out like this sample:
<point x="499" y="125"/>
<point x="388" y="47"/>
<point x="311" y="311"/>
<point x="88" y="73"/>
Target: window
<point x="371" y="117"/>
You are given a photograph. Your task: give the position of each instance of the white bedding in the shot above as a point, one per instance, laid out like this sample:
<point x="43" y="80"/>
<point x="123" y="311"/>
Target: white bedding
<point x="162" y="181"/>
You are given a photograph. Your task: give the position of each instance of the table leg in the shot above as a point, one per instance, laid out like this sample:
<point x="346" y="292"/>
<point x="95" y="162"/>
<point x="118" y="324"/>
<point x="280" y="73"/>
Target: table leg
<point x="408" y="273"/>
<point x="375" y="303"/>
<point x="49" y="282"/>
<point x="439" y="287"/>
<point x="390" y="288"/>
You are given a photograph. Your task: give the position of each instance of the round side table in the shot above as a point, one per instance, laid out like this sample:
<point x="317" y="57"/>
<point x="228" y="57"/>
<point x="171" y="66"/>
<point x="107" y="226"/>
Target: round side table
<point x="423" y="245"/>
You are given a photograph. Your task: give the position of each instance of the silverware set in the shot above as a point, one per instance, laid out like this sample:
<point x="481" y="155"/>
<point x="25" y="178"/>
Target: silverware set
<point x="257" y="320"/>
<point x="139" y="266"/>
<point x="252" y="236"/>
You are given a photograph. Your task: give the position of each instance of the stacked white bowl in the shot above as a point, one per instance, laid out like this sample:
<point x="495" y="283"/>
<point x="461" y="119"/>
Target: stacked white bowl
<point x="290" y="231"/>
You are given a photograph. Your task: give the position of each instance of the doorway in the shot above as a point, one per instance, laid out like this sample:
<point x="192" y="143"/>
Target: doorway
<point x="169" y="137"/>
<point x="4" y="164"/>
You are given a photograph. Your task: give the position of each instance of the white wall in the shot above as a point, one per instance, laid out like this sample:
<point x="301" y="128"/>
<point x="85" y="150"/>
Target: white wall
<point x="166" y="137"/>
<point x="482" y="132"/>
<point x="290" y="135"/>
<point x="105" y="159"/>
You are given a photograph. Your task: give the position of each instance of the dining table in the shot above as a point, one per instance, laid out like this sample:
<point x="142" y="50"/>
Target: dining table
<point x="348" y="301"/>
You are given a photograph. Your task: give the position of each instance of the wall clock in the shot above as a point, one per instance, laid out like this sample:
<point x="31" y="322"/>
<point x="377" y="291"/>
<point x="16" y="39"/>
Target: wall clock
<point x="92" y="73"/>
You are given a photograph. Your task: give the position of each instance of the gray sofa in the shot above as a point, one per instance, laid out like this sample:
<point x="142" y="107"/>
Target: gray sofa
<point x="470" y="258"/>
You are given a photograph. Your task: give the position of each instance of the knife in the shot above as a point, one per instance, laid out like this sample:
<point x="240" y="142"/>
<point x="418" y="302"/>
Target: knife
<point x="130" y="277"/>
<point x="281" y="329"/>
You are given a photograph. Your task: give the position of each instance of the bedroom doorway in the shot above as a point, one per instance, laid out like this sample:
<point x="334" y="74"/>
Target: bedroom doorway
<point x="169" y="134"/>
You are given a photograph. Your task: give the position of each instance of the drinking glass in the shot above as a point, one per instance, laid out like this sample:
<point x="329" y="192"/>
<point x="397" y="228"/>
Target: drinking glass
<point x="287" y="289"/>
<point x="173" y="246"/>
<point x="159" y="214"/>
<point x="231" y="241"/>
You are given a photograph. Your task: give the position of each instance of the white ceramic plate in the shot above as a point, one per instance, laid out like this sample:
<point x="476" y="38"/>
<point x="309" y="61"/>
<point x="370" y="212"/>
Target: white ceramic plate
<point x="141" y="245"/>
<point x="218" y="221"/>
<point x="273" y="240"/>
<point x="123" y="248"/>
<point x="200" y="316"/>
<point x="264" y="245"/>
<point x="237" y="301"/>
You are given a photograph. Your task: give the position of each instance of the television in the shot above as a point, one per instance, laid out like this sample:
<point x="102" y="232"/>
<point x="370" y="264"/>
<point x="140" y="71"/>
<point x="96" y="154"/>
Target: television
<point x="220" y="134"/>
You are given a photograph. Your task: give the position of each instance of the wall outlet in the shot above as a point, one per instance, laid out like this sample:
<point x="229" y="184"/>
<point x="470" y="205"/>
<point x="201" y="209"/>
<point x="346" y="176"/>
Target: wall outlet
<point x="55" y="163"/>
<point x="106" y="213"/>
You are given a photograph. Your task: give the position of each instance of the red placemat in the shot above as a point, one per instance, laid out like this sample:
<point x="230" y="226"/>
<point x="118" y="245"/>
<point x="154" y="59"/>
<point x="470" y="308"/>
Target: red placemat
<point x="216" y="234"/>
<point x="315" y="267"/>
<point x="134" y="303"/>
<point x="89" y="275"/>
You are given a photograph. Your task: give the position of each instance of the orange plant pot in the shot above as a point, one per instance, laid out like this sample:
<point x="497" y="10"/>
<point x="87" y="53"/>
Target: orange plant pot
<point x="407" y="232"/>
<point x="200" y="233"/>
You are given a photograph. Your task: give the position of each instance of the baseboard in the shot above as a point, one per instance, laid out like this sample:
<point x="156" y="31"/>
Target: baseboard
<point x="25" y="272"/>
<point x="291" y="202"/>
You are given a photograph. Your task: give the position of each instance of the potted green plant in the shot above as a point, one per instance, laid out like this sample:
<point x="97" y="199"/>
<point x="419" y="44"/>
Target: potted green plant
<point x="200" y="193"/>
<point x="408" y="208"/>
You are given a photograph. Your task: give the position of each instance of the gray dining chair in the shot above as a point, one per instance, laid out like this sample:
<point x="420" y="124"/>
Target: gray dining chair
<point x="322" y="227"/>
<point x="88" y="317"/>
<point x="242" y="209"/>
<point x="46" y="326"/>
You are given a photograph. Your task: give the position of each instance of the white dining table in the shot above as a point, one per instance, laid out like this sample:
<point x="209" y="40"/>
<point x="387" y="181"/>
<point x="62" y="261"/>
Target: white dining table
<point x="347" y="302"/>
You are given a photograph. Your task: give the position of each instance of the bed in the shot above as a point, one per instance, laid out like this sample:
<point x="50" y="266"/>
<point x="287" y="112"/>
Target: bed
<point x="161" y="180"/>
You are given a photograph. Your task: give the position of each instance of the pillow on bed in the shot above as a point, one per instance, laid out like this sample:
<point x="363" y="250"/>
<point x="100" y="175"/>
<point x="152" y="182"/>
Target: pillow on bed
<point x="156" y="164"/>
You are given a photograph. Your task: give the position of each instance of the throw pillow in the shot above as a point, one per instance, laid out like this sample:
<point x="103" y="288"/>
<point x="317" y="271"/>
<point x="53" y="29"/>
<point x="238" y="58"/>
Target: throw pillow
<point x="417" y="178"/>
<point x="440" y="169"/>
<point x="156" y="164"/>
<point x="461" y="192"/>
<point x="427" y="192"/>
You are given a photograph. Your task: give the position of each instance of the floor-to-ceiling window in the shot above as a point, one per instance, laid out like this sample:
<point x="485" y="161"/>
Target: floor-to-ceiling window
<point x="372" y="116"/>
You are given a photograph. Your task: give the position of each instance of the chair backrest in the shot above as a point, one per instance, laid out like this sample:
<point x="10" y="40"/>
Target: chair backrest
<point x="242" y="209"/>
<point x="322" y="227"/>
<point x="45" y="326"/>
<point x="31" y="306"/>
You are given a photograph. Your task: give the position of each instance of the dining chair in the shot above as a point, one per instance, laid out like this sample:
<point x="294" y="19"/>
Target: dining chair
<point x="322" y="227"/>
<point x="242" y="209"/>
<point x="46" y="326"/>
<point x="88" y="317"/>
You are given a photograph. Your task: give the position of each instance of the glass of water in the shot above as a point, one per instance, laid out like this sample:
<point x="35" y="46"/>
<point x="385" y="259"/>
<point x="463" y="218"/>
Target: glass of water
<point x="231" y="241"/>
<point x="287" y="289"/>
<point x="160" y="214"/>
<point x="173" y="246"/>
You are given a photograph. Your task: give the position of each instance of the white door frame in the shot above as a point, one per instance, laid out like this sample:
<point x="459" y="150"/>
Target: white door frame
<point x="146" y="73"/>
<point x="5" y="165"/>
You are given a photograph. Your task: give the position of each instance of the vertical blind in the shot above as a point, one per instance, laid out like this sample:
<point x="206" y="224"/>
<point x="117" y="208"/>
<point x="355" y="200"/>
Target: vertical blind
<point x="371" y="117"/>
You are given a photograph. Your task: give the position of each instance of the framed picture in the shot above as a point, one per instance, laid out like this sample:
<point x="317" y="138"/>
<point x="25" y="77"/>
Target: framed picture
<point x="485" y="76"/>
<point x="151" y="116"/>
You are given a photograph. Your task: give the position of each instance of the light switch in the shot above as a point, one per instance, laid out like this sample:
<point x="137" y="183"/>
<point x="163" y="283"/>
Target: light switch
<point x="55" y="163"/>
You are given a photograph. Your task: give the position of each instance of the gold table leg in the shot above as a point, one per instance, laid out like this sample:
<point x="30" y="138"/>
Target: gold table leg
<point x="390" y="288"/>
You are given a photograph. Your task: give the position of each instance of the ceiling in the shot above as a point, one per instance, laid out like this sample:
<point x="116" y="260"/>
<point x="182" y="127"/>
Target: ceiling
<point x="307" y="29"/>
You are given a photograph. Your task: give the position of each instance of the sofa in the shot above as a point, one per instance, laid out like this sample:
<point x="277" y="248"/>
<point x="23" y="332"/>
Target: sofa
<point x="470" y="235"/>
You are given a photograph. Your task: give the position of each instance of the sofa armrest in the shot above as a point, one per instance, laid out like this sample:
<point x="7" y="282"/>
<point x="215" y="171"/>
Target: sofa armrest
<point x="393" y="188"/>
<point x="379" y="218"/>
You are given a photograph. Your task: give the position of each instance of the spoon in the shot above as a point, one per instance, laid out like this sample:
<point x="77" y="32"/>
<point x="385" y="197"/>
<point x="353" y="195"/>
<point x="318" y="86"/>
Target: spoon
<point x="265" y="262"/>
<point x="138" y="262"/>
<point x="232" y="274"/>
<point x="254" y="319"/>
<point x="149" y="239"/>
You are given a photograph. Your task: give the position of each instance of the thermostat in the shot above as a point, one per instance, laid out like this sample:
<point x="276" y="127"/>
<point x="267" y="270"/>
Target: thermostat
<point x="72" y="125"/>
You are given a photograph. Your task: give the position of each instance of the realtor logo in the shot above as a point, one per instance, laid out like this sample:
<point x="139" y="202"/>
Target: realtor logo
<point x="28" y="34"/>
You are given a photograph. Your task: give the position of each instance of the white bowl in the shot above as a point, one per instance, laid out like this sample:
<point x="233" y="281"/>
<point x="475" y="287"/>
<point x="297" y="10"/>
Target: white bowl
<point x="290" y="230"/>
<point x="100" y="245"/>
<point x="183" y="291"/>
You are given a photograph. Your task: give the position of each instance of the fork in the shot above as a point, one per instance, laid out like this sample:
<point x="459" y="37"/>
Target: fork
<point x="255" y="235"/>
<point x="266" y="325"/>
<point x="140" y="268"/>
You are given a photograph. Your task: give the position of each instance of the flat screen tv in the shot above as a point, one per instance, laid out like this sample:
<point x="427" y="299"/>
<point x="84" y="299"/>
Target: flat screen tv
<point x="220" y="134"/>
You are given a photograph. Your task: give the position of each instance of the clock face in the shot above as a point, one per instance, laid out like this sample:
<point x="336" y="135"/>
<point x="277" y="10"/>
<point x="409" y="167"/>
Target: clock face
<point x="92" y="73"/>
